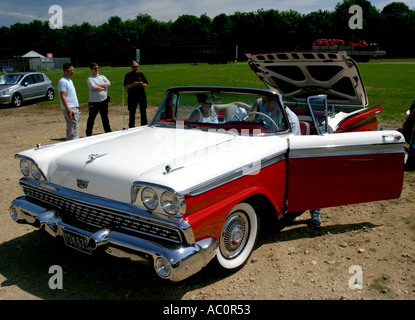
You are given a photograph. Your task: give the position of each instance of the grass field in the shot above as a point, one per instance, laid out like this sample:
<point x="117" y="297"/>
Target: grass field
<point x="387" y="83"/>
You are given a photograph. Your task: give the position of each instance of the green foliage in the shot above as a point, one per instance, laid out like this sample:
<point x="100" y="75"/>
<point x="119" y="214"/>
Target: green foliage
<point x="115" y="41"/>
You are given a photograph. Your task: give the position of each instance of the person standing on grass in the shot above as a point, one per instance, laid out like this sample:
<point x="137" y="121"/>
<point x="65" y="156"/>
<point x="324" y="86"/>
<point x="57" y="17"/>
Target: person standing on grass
<point x="135" y="82"/>
<point x="69" y="102"/>
<point x="98" y="99"/>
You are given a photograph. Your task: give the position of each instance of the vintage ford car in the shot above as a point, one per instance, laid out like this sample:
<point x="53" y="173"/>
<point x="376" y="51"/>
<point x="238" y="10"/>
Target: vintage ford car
<point x="193" y="185"/>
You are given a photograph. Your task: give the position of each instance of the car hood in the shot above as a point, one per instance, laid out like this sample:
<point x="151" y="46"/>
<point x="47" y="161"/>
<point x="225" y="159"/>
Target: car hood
<point x="298" y="75"/>
<point x="6" y="86"/>
<point x="110" y="163"/>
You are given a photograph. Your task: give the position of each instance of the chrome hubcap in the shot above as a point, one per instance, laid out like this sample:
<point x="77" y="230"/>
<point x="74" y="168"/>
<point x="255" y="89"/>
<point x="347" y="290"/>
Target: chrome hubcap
<point x="234" y="235"/>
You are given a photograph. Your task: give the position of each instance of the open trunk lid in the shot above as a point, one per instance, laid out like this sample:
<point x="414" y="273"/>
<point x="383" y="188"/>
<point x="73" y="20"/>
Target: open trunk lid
<point x="300" y="74"/>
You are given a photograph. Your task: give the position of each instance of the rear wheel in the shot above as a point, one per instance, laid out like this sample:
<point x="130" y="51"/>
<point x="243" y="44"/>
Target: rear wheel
<point x="238" y="237"/>
<point x="17" y="100"/>
<point x="50" y="94"/>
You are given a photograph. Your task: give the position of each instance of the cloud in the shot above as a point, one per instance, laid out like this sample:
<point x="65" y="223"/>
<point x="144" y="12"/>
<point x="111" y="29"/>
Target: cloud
<point x="18" y="15"/>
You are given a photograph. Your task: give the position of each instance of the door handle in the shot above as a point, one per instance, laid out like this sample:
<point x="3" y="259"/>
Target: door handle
<point x="391" y="137"/>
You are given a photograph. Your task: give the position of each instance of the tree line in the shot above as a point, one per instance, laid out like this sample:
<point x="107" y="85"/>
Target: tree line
<point x="115" y="41"/>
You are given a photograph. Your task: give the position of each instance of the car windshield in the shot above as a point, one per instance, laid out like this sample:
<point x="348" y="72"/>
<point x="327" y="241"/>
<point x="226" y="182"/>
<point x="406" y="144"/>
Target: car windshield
<point x="256" y="111"/>
<point x="9" y="79"/>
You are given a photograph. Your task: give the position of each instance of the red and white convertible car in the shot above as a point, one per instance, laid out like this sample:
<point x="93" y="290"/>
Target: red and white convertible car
<point x="192" y="186"/>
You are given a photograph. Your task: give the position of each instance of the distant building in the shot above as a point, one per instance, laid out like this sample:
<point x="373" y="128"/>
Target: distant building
<point x="32" y="61"/>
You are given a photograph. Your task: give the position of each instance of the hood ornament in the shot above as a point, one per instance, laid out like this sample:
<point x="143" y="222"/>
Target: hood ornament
<point x="94" y="156"/>
<point x="169" y="169"/>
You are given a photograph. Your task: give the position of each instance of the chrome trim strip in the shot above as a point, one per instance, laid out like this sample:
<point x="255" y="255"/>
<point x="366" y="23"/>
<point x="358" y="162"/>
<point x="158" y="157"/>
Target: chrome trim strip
<point x="236" y="174"/>
<point x="341" y="150"/>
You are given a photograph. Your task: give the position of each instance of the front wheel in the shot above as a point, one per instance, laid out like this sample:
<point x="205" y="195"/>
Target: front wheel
<point x="238" y="237"/>
<point x="17" y="100"/>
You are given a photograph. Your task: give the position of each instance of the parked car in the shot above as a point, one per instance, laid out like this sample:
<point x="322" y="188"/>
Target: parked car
<point x="16" y="88"/>
<point x="182" y="193"/>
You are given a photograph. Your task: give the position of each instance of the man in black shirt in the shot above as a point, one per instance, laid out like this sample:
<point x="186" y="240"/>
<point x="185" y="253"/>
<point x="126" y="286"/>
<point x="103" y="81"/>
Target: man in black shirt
<point x="135" y="82"/>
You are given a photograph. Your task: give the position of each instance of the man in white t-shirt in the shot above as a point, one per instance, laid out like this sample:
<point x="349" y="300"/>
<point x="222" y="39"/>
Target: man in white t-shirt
<point x="69" y="102"/>
<point x="98" y="99"/>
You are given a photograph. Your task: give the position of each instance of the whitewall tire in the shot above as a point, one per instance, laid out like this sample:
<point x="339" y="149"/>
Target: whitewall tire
<point x="238" y="237"/>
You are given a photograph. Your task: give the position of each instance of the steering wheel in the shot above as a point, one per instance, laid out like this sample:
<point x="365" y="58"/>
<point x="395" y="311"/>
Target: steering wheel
<point x="272" y="126"/>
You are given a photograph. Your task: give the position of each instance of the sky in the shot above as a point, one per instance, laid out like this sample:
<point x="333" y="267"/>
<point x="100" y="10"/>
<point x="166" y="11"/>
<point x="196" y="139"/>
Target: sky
<point x="98" y="12"/>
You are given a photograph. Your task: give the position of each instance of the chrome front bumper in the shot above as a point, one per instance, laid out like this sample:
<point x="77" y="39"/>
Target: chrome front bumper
<point x="174" y="262"/>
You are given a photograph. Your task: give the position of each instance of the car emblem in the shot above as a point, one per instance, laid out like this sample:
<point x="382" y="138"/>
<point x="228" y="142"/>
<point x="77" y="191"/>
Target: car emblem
<point x="82" y="184"/>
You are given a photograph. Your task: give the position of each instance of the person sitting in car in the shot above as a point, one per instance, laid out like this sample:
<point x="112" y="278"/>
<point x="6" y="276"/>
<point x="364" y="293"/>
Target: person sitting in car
<point x="207" y="112"/>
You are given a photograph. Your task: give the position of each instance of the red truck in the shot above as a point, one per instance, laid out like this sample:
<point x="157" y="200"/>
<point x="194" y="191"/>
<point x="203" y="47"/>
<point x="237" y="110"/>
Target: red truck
<point x="360" y="51"/>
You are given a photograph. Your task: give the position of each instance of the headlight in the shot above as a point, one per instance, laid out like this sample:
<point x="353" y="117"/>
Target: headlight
<point x="25" y="167"/>
<point x="160" y="200"/>
<point x="35" y="172"/>
<point x="170" y="203"/>
<point x="149" y="198"/>
<point x="30" y="169"/>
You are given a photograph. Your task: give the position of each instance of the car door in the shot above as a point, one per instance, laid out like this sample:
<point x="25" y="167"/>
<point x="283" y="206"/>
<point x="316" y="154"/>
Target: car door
<point x="40" y="85"/>
<point x="28" y="88"/>
<point x="326" y="170"/>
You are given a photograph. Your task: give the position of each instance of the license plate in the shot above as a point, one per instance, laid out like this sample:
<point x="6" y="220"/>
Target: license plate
<point x="77" y="241"/>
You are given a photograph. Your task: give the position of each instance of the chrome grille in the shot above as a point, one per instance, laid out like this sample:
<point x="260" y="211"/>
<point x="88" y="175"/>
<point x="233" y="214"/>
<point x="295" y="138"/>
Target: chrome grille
<point x="102" y="218"/>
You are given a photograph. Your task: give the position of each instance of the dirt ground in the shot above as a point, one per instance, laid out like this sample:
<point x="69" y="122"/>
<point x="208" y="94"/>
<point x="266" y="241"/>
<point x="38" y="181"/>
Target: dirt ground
<point x="373" y="242"/>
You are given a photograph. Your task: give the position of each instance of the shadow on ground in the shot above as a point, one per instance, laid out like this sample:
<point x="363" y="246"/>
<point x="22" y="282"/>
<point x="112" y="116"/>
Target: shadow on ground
<point x="25" y="262"/>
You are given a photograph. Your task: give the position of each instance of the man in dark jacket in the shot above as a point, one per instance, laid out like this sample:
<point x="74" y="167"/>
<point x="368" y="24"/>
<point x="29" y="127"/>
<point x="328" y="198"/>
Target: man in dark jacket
<point x="135" y="82"/>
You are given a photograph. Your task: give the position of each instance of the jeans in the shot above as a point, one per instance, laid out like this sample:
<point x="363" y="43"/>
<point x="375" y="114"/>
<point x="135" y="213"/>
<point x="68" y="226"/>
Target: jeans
<point x="72" y="124"/>
<point x="132" y="108"/>
<point x="315" y="220"/>
<point x="94" y="108"/>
